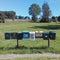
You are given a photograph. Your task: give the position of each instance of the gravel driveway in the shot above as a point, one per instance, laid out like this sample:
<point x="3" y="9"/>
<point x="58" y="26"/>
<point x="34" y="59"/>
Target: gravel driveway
<point x="12" y="56"/>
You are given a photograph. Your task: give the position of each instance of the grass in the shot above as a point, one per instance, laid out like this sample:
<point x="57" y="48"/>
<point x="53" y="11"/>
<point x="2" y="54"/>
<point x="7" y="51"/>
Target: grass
<point x="36" y="58"/>
<point x="27" y="46"/>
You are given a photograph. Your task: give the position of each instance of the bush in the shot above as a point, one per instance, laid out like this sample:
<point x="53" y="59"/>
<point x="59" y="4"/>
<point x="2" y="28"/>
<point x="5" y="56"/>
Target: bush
<point x="44" y="20"/>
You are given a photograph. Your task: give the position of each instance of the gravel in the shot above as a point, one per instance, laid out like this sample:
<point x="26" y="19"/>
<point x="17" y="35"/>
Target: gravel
<point x="12" y="56"/>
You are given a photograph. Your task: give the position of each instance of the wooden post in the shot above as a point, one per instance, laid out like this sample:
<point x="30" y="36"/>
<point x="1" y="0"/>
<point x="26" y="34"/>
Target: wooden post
<point x="48" y="43"/>
<point x="17" y="46"/>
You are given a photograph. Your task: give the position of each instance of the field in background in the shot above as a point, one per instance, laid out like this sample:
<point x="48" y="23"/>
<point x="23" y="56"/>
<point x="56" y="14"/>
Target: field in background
<point x="27" y="46"/>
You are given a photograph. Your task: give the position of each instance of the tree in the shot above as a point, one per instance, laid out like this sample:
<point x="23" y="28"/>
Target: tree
<point x="2" y="17"/>
<point x="34" y="10"/>
<point x="16" y="17"/>
<point x="9" y="14"/>
<point x="20" y="17"/>
<point x="12" y="14"/>
<point x="46" y="12"/>
<point x="26" y="17"/>
<point x="53" y="19"/>
<point x="59" y="18"/>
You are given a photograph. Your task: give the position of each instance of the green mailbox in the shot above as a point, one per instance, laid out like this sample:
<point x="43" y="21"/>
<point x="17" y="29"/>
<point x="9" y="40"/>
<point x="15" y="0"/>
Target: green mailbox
<point x="52" y="35"/>
<point x="46" y="35"/>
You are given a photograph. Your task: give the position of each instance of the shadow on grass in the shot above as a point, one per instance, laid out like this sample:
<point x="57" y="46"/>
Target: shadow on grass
<point x="42" y="47"/>
<point x="23" y="47"/>
<point x="1" y="48"/>
<point x="47" y="27"/>
<point x="12" y="48"/>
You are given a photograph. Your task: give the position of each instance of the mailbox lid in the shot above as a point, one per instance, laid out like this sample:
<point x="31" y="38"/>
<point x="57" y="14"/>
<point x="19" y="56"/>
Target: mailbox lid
<point x="45" y="32"/>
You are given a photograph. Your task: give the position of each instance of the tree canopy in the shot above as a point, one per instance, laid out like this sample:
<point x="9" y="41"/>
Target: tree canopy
<point x="46" y="11"/>
<point x="8" y="14"/>
<point x="34" y="10"/>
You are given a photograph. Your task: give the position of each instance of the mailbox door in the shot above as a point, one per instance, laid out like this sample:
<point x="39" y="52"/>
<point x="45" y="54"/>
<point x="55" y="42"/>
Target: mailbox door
<point x="52" y="36"/>
<point x="32" y="36"/>
<point x="45" y="36"/>
<point x="7" y="35"/>
<point x="19" y="35"/>
<point x="25" y="35"/>
<point x="13" y="35"/>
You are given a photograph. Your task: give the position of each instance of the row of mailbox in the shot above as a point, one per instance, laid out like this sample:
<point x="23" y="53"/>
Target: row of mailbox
<point x="31" y="35"/>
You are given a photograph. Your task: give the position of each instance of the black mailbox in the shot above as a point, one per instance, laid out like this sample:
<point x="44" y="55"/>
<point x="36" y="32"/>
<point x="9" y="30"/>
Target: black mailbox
<point x="20" y="35"/>
<point x="46" y="35"/>
<point x="7" y="35"/>
<point x="13" y="35"/>
<point x="52" y="35"/>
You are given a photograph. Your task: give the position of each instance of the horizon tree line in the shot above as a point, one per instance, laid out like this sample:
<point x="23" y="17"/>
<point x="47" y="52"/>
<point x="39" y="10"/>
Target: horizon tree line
<point x="34" y="11"/>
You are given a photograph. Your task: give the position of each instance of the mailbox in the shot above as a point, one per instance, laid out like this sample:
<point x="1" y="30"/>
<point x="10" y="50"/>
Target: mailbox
<point x="39" y="34"/>
<point x="46" y="35"/>
<point x="7" y="35"/>
<point x="32" y="35"/>
<point x="52" y="35"/>
<point x="19" y="35"/>
<point x="13" y="35"/>
<point x="25" y="34"/>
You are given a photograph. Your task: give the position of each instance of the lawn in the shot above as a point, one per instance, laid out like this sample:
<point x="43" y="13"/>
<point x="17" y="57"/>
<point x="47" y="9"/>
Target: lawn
<point x="36" y="58"/>
<point x="42" y="58"/>
<point x="27" y="46"/>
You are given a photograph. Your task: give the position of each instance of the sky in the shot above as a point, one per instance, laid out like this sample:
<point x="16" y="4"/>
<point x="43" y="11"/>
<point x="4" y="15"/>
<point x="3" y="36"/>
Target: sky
<point x="21" y="7"/>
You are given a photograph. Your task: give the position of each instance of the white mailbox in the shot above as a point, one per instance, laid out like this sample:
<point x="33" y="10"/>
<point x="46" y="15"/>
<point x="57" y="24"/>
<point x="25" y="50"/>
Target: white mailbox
<point x="38" y="34"/>
<point x="32" y="35"/>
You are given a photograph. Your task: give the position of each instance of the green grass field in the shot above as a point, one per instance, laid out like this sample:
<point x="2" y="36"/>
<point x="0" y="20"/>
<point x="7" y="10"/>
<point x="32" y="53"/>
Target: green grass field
<point x="27" y="46"/>
<point x="36" y="58"/>
<point x="40" y="58"/>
